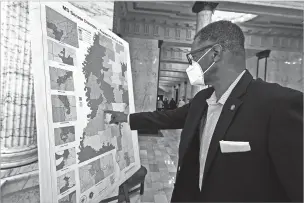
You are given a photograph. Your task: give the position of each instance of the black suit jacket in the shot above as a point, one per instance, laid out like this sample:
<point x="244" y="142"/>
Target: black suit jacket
<point x="268" y="116"/>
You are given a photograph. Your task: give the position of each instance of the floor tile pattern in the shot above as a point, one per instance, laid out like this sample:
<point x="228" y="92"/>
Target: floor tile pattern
<point x="159" y="156"/>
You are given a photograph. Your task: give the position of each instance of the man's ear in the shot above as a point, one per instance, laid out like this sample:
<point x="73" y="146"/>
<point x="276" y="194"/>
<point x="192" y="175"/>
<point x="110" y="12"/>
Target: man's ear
<point x="217" y="53"/>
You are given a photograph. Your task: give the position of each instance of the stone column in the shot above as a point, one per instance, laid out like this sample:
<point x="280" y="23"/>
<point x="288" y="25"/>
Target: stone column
<point x="181" y="90"/>
<point x="189" y="90"/>
<point x="204" y="11"/>
<point x="116" y="18"/>
<point x="144" y="72"/>
<point x="173" y="92"/>
<point x="185" y="90"/>
<point x="17" y="116"/>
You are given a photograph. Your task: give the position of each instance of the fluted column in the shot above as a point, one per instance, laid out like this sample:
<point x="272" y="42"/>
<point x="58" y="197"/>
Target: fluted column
<point x="173" y="92"/>
<point x="185" y="90"/>
<point x="189" y="90"/>
<point x="17" y="121"/>
<point x="180" y="91"/>
<point x="204" y="11"/>
<point x="116" y="18"/>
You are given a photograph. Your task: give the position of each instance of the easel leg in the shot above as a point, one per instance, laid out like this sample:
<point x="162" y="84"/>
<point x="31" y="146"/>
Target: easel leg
<point x="126" y="192"/>
<point x="142" y="188"/>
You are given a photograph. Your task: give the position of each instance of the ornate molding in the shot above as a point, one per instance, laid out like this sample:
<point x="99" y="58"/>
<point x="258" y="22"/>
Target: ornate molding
<point x="168" y="11"/>
<point x="181" y="11"/>
<point x="173" y="67"/>
<point x="265" y="29"/>
<point x="295" y="5"/>
<point x="259" y="38"/>
<point x="264" y="8"/>
<point x="203" y="5"/>
<point x="158" y="19"/>
<point x="177" y="54"/>
<point x="169" y="79"/>
<point x="259" y="42"/>
<point x="172" y="74"/>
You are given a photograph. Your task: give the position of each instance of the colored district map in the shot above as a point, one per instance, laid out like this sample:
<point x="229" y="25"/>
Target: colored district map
<point x="106" y="89"/>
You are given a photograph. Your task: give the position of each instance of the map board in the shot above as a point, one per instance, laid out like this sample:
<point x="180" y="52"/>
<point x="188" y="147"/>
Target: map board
<point x="82" y="76"/>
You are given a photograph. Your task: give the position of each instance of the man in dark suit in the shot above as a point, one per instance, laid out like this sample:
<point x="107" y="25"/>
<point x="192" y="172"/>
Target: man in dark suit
<point x="242" y="139"/>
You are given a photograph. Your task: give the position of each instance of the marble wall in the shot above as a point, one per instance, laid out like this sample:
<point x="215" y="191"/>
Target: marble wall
<point x="20" y="184"/>
<point x="284" y="68"/>
<point x="251" y="65"/>
<point x="144" y="56"/>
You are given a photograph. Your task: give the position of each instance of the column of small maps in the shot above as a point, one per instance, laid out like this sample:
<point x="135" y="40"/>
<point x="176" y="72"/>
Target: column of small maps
<point x="62" y="42"/>
<point x="86" y="158"/>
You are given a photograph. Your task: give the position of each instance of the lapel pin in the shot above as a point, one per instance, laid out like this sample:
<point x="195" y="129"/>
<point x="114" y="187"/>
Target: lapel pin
<point x="232" y="107"/>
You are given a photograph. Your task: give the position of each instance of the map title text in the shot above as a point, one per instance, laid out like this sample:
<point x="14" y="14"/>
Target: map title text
<point x="90" y="24"/>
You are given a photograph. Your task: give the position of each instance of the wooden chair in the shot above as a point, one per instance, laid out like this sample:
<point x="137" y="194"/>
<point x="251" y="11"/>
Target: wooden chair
<point x="124" y="189"/>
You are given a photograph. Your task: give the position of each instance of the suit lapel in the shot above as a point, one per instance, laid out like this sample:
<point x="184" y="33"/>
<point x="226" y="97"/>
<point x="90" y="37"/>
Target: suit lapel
<point x="230" y="109"/>
<point x="197" y="108"/>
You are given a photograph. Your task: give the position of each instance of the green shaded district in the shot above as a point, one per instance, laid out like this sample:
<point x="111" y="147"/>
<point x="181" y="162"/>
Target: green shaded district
<point x="125" y="94"/>
<point x="66" y="103"/>
<point x="98" y="92"/>
<point x="93" y="65"/>
<point x="63" y="79"/>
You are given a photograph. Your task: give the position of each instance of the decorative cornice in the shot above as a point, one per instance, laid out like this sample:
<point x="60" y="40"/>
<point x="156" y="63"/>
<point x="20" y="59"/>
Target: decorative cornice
<point x="133" y="7"/>
<point x="169" y="79"/>
<point x="263" y="8"/>
<point x="296" y="5"/>
<point x="203" y="5"/>
<point x="172" y="74"/>
<point x="173" y="67"/>
<point x="259" y="38"/>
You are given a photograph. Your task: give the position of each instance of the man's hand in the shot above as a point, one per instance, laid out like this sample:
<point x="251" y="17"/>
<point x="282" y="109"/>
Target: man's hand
<point x="117" y="117"/>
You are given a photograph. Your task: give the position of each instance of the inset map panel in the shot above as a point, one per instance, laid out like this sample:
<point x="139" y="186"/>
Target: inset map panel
<point x="63" y="108"/>
<point x="61" y="28"/>
<point x="70" y="198"/>
<point x="65" y="182"/>
<point x="61" y="54"/>
<point x="65" y="158"/>
<point x="61" y="79"/>
<point x="64" y="135"/>
<point x="95" y="145"/>
<point x="95" y="172"/>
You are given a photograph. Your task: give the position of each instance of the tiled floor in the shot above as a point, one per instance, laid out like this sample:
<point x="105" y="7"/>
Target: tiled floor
<point x="159" y="156"/>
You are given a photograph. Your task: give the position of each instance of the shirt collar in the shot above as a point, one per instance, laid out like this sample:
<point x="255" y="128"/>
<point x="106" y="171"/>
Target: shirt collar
<point x="224" y="97"/>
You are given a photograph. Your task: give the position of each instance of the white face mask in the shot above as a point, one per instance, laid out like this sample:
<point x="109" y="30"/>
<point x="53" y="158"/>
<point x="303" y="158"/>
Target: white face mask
<point x="195" y="72"/>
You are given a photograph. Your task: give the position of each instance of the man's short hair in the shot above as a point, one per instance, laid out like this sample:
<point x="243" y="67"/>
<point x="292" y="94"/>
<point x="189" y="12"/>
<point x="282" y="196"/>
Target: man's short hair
<point x="229" y="35"/>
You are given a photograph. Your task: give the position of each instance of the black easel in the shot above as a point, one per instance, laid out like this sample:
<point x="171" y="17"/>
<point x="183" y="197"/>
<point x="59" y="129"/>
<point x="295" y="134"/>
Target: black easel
<point x="262" y="55"/>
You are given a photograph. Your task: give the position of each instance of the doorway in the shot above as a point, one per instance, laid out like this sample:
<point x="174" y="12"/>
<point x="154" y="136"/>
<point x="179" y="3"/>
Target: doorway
<point x="160" y="97"/>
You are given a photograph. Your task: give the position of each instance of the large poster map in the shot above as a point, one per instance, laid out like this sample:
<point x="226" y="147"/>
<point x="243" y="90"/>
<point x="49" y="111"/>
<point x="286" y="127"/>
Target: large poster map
<point x="82" y="77"/>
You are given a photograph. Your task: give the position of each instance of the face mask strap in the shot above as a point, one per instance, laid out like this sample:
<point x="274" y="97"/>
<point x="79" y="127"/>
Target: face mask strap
<point x="208" y="52"/>
<point x="213" y="61"/>
<point x="204" y="54"/>
<point x="209" y="67"/>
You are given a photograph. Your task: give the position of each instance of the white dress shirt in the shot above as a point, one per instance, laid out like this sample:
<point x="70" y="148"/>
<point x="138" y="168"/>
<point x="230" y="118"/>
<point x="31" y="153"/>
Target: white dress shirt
<point x="213" y="114"/>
